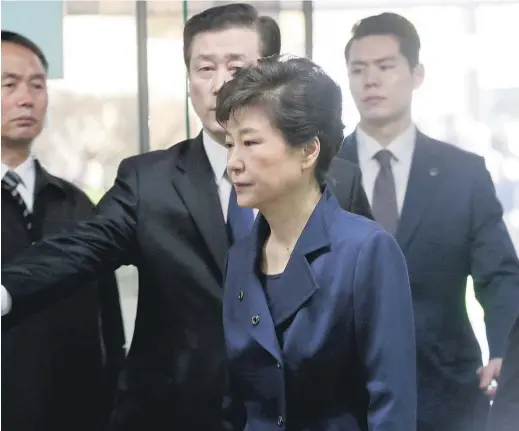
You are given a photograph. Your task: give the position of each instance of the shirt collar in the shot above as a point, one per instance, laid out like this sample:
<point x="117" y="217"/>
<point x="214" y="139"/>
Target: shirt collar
<point x="25" y="170"/>
<point x="401" y="147"/>
<point x="217" y="155"/>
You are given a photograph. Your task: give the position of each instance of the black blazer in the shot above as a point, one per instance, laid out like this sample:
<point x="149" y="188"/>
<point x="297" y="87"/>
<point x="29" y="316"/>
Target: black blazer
<point x="59" y="364"/>
<point x="504" y="415"/>
<point x="162" y="215"/>
<point x="451" y="227"/>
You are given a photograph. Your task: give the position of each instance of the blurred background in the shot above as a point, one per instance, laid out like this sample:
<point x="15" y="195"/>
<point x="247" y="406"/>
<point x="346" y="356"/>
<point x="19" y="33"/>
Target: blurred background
<point x="122" y="89"/>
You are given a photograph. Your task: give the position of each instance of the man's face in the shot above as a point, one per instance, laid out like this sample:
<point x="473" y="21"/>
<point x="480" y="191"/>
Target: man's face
<point x="24" y="94"/>
<point x="215" y="56"/>
<point x="381" y="80"/>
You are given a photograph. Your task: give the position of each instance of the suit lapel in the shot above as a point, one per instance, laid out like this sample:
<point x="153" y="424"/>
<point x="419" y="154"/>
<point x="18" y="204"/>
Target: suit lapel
<point x="298" y="280"/>
<point x="194" y="181"/>
<point x="424" y="177"/>
<point x="423" y="183"/>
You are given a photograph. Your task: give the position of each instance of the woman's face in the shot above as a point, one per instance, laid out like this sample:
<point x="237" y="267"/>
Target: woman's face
<point x="262" y="166"/>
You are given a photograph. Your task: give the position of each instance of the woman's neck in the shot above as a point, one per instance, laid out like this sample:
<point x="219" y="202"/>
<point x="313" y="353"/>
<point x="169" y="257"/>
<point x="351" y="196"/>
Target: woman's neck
<point x="287" y="217"/>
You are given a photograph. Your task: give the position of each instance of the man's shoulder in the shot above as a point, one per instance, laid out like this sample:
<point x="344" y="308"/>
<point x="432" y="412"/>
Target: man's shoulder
<point x="452" y="153"/>
<point x="342" y="170"/>
<point x="158" y="157"/>
<point x="70" y="190"/>
<point x="344" y="164"/>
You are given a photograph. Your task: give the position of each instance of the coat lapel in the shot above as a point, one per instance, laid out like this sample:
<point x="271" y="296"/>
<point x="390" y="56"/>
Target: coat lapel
<point x="194" y="181"/>
<point x="424" y="177"/>
<point x="423" y="183"/>
<point x="298" y="280"/>
<point x="44" y="178"/>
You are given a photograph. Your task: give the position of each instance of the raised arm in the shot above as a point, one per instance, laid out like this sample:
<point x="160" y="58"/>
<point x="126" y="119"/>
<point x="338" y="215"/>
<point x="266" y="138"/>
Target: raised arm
<point x="50" y="269"/>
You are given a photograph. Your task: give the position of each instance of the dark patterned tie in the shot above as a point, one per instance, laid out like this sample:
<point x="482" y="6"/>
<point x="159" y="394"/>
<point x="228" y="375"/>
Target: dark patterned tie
<point x="385" y="208"/>
<point x="10" y="182"/>
<point x="239" y="220"/>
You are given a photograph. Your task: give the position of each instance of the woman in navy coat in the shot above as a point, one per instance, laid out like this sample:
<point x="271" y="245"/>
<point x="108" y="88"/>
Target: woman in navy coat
<point x="317" y="309"/>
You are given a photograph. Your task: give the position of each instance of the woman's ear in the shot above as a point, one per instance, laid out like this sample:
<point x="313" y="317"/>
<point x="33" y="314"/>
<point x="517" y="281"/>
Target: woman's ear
<point x="310" y="153"/>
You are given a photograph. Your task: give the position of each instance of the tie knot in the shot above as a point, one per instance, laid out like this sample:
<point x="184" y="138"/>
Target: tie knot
<point x="384" y="158"/>
<point x="11" y="179"/>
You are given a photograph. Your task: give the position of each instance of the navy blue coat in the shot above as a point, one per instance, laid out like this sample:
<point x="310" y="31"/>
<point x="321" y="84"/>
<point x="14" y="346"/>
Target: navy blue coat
<point x="346" y="360"/>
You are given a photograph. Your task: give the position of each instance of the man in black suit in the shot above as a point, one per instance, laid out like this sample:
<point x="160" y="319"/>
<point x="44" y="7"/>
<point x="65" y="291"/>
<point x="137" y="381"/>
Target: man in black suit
<point x="59" y="367"/>
<point x="167" y="215"/>
<point x="504" y="414"/>
<point x="440" y="203"/>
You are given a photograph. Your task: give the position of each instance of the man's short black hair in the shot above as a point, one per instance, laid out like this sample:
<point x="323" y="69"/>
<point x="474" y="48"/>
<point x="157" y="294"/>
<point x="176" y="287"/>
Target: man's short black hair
<point x="18" y="39"/>
<point x="270" y="35"/>
<point x="228" y="16"/>
<point x="389" y="24"/>
<point x="300" y="99"/>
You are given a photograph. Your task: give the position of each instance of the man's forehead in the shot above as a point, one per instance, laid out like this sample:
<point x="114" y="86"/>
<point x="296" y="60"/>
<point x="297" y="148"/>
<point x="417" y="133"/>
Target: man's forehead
<point x="232" y="42"/>
<point x="375" y="45"/>
<point x="16" y="55"/>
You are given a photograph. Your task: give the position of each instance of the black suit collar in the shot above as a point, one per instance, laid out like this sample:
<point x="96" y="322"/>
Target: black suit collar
<point x="195" y="183"/>
<point x="424" y="180"/>
<point x="45" y="179"/>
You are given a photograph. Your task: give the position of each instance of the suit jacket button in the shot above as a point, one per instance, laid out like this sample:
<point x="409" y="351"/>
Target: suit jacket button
<point x="281" y="421"/>
<point x="241" y="295"/>
<point x="255" y="320"/>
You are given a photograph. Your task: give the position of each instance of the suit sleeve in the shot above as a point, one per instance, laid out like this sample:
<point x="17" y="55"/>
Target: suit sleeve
<point x="504" y="415"/>
<point x="59" y="265"/>
<point x="495" y="269"/>
<point x="384" y="331"/>
<point x="359" y="200"/>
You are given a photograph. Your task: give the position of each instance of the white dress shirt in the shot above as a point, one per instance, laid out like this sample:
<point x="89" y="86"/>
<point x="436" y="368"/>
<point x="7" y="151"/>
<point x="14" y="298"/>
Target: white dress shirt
<point x="27" y="173"/>
<point x="402" y="149"/>
<point x="217" y="155"/>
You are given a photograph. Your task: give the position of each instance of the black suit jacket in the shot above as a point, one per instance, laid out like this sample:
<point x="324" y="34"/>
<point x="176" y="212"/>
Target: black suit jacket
<point x="504" y="415"/>
<point x="56" y="364"/>
<point x="162" y="215"/>
<point x="451" y="227"/>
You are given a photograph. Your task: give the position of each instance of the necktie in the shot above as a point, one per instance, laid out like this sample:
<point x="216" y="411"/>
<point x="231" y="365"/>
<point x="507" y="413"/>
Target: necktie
<point x="239" y="220"/>
<point x="385" y="209"/>
<point x="10" y="182"/>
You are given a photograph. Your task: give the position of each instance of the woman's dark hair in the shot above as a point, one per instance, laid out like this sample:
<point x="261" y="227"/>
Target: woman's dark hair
<point x="299" y="98"/>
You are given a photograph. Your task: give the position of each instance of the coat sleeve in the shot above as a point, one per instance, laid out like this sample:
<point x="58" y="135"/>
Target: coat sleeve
<point x="384" y="330"/>
<point x="59" y="265"/>
<point x="495" y="269"/>
<point x="504" y="415"/>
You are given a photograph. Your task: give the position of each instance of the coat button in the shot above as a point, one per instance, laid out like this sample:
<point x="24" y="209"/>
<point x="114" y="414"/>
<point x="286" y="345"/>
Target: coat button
<point x="255" y="320"/>
<point x="281" y="421"/>
<point x="278" y="365"/>
<point x="241" y="295"/>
